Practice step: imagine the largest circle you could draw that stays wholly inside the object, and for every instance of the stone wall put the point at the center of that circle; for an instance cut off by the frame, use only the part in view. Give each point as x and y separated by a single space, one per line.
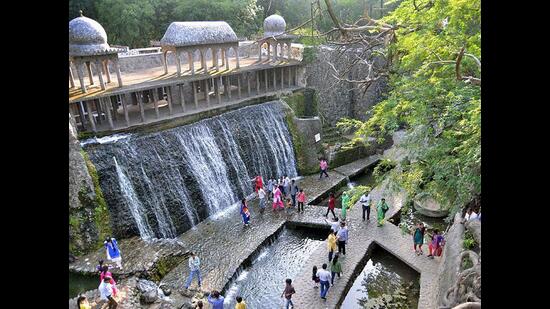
339 99
450 259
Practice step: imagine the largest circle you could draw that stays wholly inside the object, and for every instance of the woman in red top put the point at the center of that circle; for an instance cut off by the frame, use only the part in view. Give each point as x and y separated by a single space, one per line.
106 273
259 183
331 204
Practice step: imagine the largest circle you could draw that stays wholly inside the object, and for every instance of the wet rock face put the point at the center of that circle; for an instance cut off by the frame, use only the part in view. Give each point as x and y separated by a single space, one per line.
148 290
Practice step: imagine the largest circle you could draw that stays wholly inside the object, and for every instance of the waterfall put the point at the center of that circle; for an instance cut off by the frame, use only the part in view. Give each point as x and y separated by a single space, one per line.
161 184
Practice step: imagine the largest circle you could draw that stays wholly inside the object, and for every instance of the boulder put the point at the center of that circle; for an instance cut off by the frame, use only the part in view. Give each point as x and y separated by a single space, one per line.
148 290
166 290
425 205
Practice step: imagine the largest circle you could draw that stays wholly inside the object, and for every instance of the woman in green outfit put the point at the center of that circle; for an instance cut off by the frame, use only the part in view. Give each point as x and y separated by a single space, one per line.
335 268
345 204
381 208
418 238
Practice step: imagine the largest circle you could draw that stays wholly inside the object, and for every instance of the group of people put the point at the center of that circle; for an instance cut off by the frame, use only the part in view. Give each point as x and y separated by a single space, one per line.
472 214
435 246
107 286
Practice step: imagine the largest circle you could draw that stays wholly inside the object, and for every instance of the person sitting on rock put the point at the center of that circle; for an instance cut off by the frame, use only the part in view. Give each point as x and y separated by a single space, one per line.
216 300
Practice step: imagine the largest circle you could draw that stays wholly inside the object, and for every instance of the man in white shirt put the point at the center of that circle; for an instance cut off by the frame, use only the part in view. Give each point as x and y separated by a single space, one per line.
261 196
334 224
106 292
324 277
365 200
194 270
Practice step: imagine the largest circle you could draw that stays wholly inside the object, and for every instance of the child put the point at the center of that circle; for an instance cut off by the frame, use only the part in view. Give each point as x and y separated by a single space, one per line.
335 268
82 303
418 238
245 213
288 205
301 199
315 278
240 303
287 293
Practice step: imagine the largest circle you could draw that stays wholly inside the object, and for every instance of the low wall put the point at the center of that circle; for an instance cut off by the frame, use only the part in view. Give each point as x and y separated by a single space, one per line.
450 259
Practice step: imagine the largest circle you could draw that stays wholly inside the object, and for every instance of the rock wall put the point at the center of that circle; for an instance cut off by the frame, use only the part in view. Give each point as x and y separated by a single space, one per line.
450 261
339 99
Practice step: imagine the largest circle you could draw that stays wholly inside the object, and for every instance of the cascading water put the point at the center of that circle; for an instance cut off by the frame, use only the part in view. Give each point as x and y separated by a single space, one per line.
161 184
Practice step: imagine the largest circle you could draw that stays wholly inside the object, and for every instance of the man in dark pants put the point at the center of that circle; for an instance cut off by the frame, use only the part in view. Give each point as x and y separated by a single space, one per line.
293 191
365 201
342 236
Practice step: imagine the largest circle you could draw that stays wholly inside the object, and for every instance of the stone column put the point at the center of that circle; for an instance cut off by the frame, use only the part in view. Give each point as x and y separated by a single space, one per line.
212 49
71 79
195 98
117 70
265 79
207 92
191 59
123 98
226 54
239 85
155 101
217 81
203 61
178 62
274 79
81 113
100 74
222 50
106 70
248 84
90 76
169 99
236 49
139 96
289 75
268 51
215 57
182 97
165 61
228 85
257 82
260 51
90 115
282 77
80 74
108 111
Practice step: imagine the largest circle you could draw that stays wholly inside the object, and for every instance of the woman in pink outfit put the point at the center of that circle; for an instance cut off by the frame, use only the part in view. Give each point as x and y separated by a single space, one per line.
106 273
277 200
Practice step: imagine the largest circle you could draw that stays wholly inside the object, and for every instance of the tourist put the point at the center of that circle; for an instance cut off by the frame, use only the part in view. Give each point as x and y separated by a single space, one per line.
277 199
301 199
331 205
315 278
106 292
418 238
270 187
261 197
244 212
335 268
473 215
331 244
436 245
106 273
334 224
113 253
240 303
194 270
293 191
82 303
467 215
345 205
381 209
286 185
259 183
365 201
288 205
324 166
342 236
99 267
216 300
325 278
287 293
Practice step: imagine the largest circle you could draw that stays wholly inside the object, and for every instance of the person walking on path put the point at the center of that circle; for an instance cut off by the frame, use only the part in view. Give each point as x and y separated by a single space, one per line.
287 186
436 245
285 182
342 236
277 199
335 268
106 292
216 300
270 188
331 205
365 201
287 293
293 191
381 209
331 244
315 278
259 183
301 199
106 273
244 212
240 303
194 270
324 166
261 197
418 238
345 205
334 224
113 252
325 278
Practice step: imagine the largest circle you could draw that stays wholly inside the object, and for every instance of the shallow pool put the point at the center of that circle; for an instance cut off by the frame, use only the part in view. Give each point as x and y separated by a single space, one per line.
81 283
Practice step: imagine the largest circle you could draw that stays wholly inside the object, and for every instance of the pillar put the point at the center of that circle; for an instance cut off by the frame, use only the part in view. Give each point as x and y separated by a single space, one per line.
168 94
71 78
80 74
191 59
178 62
100 74
90 115
226 54
81 113
117 70
228 83
182 97
195 98
268 51
257 82
139 96
274 79
106 70
239 85
222 50
217 81
248 84
123 98
165 61
90 76
99 110
289 75
260 51
282 77
265 79
215 57
108 111
236 49
155 101
203 60
207 92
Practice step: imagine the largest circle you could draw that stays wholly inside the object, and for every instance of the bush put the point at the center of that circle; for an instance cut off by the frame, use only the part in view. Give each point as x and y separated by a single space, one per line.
469 242
382 168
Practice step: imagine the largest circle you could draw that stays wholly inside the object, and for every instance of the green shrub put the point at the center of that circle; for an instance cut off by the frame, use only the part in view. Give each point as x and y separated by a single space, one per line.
382 168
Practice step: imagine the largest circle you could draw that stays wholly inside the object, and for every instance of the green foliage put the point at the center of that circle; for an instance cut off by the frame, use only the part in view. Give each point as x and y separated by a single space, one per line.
356 192
309 54
296 101
441 114
384 166
466 263
469 242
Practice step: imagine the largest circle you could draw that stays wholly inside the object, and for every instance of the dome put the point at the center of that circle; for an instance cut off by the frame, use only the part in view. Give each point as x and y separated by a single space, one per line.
87 37
274 25
190 33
